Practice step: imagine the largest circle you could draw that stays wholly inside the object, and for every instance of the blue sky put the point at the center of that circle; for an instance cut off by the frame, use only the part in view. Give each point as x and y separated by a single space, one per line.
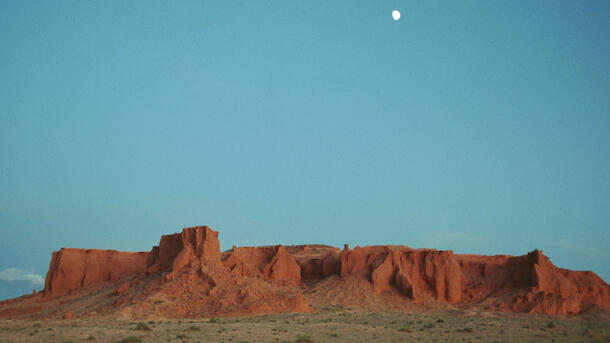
476 126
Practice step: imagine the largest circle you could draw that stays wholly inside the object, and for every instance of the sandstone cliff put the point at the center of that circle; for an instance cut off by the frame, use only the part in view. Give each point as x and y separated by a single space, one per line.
73 269
188 276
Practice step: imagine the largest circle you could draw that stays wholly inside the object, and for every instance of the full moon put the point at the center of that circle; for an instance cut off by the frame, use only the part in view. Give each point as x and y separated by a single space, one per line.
395 14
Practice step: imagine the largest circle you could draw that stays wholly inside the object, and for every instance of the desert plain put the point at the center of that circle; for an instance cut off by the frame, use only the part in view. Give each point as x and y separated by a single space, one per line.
332 324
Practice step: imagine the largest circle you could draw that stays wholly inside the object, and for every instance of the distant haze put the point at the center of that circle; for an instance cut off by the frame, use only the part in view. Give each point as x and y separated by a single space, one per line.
476 126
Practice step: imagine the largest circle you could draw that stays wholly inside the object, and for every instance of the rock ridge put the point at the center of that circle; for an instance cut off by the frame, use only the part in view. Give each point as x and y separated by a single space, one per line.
187 275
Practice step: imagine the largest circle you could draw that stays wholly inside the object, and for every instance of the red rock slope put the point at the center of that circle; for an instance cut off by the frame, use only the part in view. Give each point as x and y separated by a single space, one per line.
188 276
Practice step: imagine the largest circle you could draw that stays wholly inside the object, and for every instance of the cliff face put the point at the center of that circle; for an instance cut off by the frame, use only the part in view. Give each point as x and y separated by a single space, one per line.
316 261
416 273
180 249
188 276
560 291
540 286
73 269
273 263
202 282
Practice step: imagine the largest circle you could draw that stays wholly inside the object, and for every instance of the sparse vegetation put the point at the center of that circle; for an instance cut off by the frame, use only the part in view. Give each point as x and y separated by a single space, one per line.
304 339
143 327
346 326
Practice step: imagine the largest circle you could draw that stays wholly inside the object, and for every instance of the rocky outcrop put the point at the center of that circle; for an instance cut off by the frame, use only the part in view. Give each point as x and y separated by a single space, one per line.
203 282
124 288
178 250
415 273
531 284
187 275
560 291
283 268
68 315
73 269
316 261
273 263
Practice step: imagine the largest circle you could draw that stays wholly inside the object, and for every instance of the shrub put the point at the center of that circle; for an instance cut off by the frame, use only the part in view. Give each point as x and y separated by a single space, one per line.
404 329
131 339
143 327
304 339
550 325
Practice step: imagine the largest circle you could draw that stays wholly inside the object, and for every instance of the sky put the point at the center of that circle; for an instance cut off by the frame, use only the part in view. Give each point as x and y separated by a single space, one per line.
474 126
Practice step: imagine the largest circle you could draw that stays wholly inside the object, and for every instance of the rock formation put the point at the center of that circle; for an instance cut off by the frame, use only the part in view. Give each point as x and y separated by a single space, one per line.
182 249
532 284
272 263
73 269
188 276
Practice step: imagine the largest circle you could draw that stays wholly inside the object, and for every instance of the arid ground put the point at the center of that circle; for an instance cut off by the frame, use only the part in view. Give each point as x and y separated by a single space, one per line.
331 325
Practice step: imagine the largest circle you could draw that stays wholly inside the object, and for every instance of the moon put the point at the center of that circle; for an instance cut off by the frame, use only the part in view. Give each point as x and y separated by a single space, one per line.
395 15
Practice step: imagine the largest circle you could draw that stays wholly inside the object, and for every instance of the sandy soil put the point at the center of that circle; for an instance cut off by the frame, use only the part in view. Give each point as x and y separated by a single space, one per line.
332 325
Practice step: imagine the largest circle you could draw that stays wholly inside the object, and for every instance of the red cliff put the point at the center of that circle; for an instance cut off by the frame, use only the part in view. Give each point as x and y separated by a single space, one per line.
189 269
181 249
73 269
415 273
532 284
188 276
273 263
